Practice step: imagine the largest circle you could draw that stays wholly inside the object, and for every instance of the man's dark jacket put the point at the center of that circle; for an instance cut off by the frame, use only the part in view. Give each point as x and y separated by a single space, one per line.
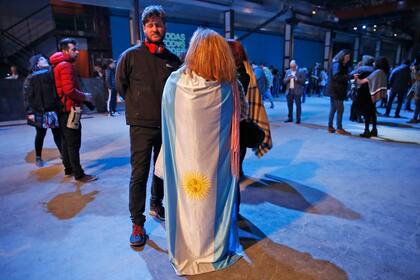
400 79
140 79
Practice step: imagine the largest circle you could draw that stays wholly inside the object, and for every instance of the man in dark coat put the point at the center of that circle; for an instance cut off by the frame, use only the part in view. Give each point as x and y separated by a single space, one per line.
295 85
141 75
399 82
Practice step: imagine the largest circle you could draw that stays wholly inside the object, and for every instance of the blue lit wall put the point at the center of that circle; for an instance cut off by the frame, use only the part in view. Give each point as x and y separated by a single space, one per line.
264 48
120 34
261 48
306 52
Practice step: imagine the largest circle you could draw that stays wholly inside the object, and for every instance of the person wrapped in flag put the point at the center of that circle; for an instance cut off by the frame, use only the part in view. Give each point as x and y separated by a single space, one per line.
200 155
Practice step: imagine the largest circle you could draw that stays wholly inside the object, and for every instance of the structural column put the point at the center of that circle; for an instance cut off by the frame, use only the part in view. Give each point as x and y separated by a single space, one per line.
327 50
356 48
134 22
378 47
288 45
398 55
229 24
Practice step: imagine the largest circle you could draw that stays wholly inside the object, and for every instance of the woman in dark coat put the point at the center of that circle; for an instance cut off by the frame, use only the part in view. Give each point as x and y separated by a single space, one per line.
337 90
372 87
42 104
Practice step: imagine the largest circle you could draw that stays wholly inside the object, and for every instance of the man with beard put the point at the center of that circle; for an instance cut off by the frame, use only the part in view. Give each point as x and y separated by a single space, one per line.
141 74
72 99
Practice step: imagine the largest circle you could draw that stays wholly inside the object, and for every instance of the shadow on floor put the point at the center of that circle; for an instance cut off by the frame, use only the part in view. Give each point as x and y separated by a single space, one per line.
265 259
67 205
399 125
46 173
293 195
108 163
48 154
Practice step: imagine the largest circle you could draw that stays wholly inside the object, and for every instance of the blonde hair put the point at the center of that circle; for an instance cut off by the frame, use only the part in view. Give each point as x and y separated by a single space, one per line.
210 57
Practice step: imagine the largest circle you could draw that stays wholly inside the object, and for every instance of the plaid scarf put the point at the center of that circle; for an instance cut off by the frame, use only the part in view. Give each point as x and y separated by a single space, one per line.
257 112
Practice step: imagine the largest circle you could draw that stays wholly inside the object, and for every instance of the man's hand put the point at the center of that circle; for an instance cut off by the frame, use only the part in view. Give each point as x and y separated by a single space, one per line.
31 117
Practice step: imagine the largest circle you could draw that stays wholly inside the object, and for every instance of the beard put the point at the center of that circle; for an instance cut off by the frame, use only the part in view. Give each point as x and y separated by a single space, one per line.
150 40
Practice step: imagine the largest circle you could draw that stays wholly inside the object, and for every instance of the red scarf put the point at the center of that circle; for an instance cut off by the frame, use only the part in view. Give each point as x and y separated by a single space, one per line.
155 48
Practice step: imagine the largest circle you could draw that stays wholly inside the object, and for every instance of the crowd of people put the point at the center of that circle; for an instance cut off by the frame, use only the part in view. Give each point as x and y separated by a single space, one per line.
370 81
195 119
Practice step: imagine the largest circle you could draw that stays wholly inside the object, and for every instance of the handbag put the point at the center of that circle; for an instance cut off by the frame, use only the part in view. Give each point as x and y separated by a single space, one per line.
251 135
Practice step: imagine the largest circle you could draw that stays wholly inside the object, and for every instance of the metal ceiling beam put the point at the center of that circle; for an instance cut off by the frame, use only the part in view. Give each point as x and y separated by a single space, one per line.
280 13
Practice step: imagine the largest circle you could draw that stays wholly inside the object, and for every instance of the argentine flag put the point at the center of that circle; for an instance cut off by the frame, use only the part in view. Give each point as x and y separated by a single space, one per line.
200 188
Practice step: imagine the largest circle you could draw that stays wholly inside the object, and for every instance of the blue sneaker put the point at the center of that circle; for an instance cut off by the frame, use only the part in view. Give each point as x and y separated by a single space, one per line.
138 237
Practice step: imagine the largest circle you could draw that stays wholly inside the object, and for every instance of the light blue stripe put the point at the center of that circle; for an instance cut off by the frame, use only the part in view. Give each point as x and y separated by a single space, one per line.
169 132
226 240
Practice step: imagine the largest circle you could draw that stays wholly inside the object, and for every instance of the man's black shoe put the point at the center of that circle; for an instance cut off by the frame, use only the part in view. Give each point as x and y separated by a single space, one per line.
288 120
87 178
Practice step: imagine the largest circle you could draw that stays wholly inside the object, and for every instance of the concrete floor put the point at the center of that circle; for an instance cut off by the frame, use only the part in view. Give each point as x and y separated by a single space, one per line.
317 206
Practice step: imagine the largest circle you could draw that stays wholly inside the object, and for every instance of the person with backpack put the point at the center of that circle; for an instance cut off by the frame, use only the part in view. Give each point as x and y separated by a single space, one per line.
41 104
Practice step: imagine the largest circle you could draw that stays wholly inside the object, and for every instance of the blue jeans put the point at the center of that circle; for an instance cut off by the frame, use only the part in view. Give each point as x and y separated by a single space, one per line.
268 95
336 106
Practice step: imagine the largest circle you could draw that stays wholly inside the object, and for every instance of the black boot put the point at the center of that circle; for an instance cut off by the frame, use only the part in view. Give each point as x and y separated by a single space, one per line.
366 134
374 132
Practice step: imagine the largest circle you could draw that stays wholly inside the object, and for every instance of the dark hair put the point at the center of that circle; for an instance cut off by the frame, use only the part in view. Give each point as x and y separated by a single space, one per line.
406 61
367 60
238 51
382 63
33 62
152 11
64 43
340 55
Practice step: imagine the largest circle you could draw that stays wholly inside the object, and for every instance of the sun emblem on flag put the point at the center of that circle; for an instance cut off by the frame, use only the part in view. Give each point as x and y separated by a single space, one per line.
196 185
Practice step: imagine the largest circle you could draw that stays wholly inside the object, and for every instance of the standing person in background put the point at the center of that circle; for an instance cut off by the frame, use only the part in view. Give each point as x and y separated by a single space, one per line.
411 91
316 78
376 81
295 85
269 79
399 82
42 104
416 90
323 82
141 74
276 82
200 132
256 112
337 90
243 77
72 99
112 90
13 75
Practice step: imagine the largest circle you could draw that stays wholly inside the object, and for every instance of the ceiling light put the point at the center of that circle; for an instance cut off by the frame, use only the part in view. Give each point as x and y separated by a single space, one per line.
355 28
313 12
364 26
374 29
374 26
395 34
